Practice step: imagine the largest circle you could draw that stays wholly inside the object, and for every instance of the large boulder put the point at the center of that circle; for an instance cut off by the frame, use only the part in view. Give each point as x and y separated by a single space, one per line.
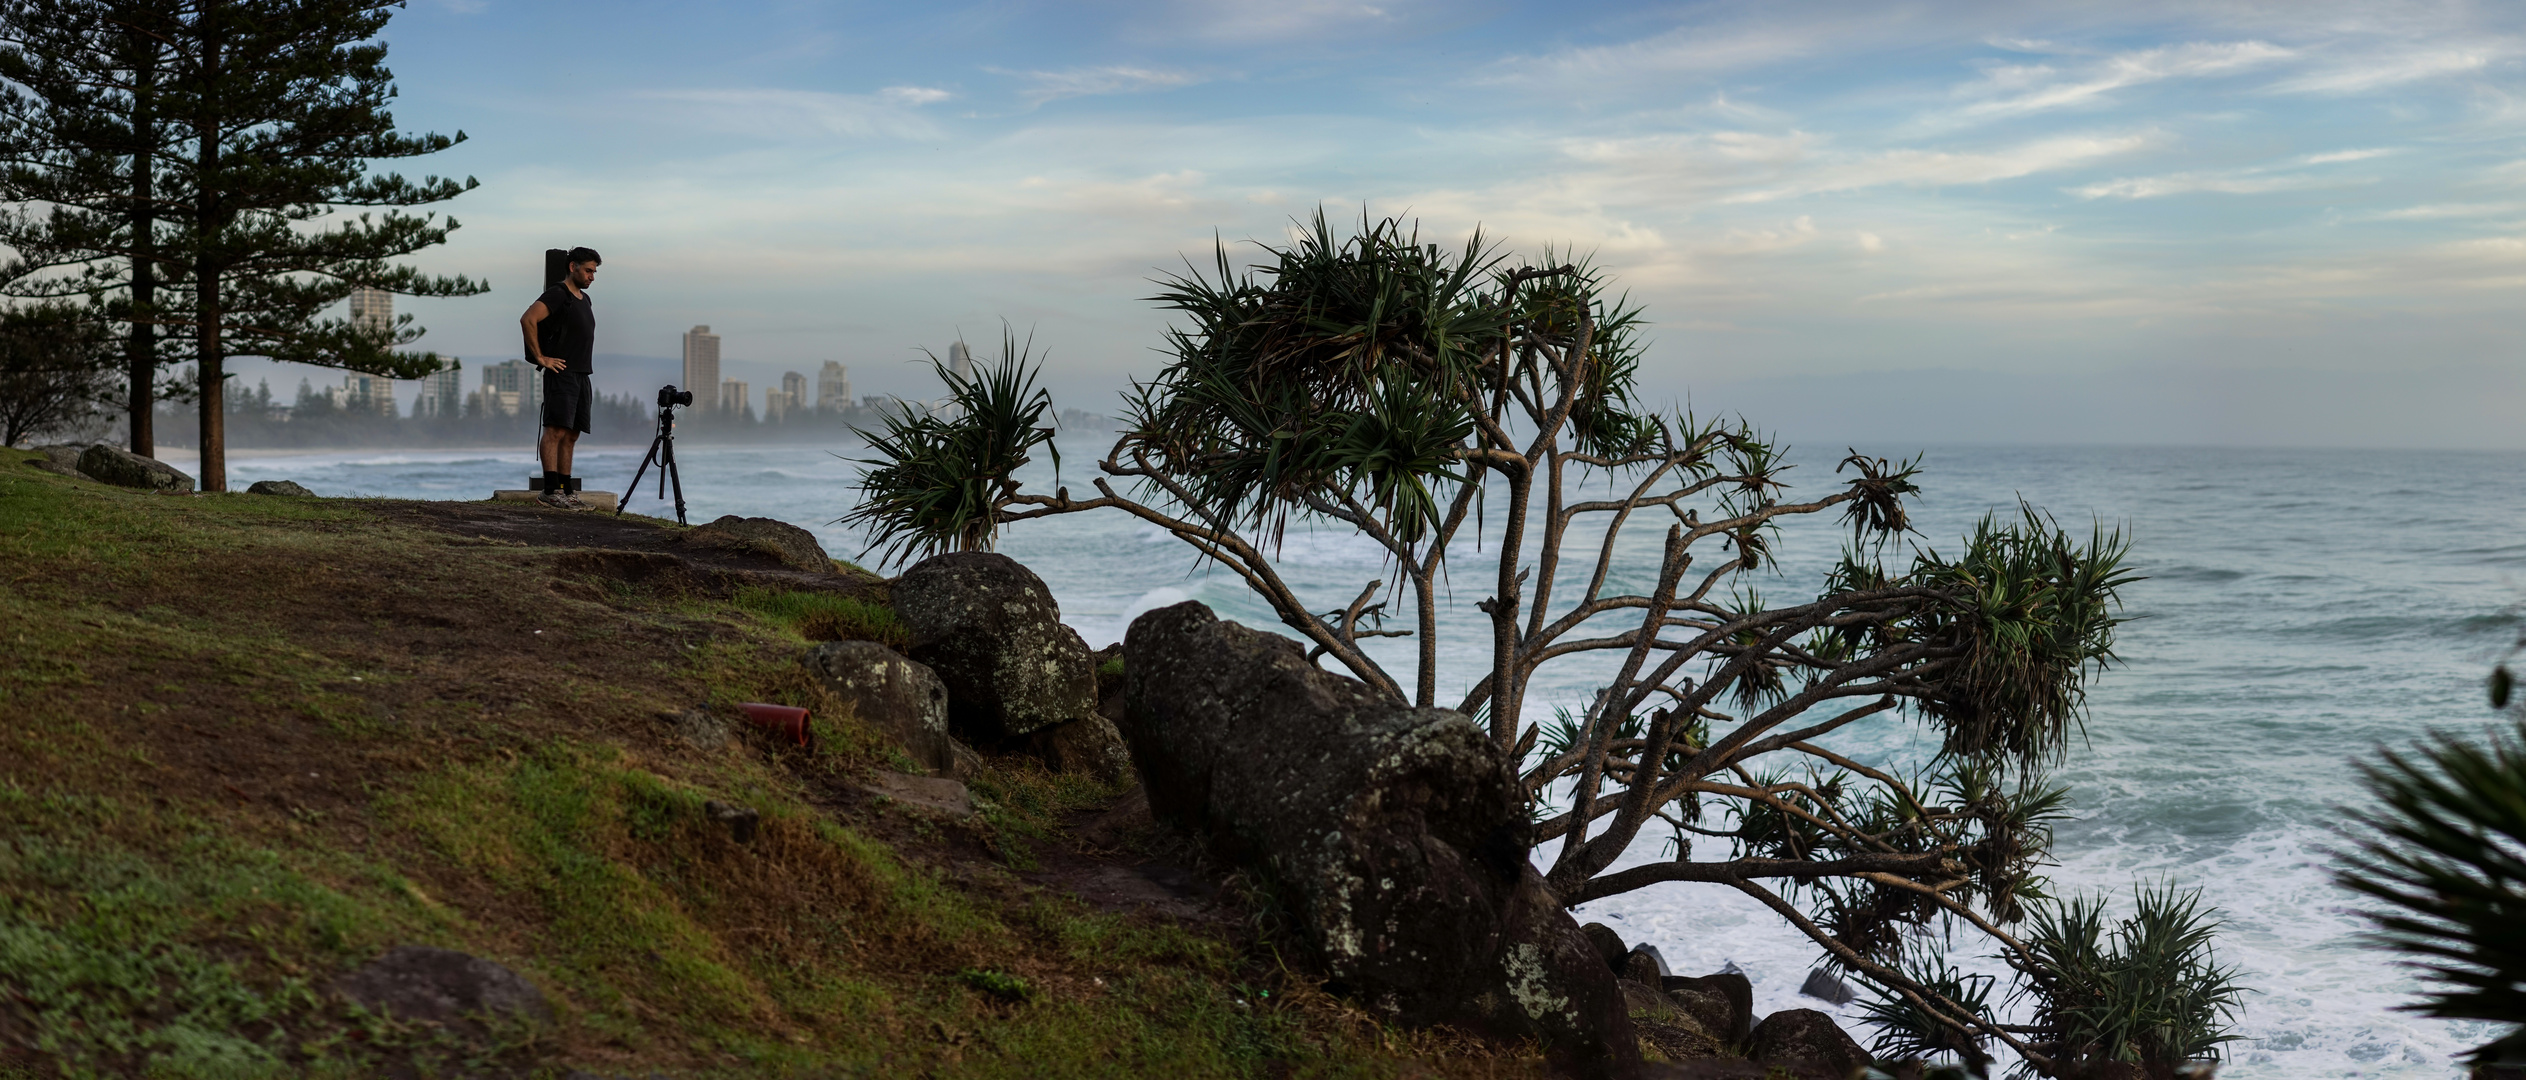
289 488
1723 1002
991 630
1608 943
61 458
778 541
115 465
887 692
1645 964
1669 1031
1090 746
464 993
1395 835
1807 1040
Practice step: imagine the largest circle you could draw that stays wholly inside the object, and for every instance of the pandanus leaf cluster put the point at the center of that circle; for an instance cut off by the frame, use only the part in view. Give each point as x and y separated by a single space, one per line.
1409 392
2441 852
942 470
2143 990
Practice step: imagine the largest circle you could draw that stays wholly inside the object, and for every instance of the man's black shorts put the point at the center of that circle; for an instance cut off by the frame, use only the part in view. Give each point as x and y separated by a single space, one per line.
566 399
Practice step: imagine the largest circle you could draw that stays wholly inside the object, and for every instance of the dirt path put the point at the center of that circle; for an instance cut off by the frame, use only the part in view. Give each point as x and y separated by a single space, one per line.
659 550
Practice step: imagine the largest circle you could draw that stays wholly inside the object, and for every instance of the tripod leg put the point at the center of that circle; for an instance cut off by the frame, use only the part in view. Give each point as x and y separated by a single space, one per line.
676 475
636 474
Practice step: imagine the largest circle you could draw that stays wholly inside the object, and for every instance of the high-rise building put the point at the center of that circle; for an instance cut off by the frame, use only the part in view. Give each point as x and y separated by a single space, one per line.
777 404
442 391
732 396
794 385
373 310
368 393
833 387
513 386
960 360
701 367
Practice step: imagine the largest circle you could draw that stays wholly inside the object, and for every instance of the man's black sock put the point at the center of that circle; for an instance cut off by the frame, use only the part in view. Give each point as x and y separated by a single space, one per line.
550 477
569 483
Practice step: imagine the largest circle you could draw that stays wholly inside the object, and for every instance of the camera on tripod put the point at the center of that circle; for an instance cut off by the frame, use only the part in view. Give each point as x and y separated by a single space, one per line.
662 454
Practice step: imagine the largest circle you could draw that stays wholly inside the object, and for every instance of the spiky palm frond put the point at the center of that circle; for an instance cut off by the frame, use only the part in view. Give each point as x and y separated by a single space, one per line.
1338 367
2446 851
1908 1032
941 476
2148 992
2031 612
1876 508
1555 310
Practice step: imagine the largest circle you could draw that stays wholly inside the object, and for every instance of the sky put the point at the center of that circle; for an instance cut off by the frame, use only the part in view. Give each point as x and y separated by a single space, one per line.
2273 224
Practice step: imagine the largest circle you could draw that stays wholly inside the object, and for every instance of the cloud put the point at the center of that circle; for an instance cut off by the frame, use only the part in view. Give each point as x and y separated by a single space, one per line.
1796 233
1938 168
2440 212
1685 50
1244 21
2373 72
1109 79
2019 89
785 115
2152 187
2250 181
914 95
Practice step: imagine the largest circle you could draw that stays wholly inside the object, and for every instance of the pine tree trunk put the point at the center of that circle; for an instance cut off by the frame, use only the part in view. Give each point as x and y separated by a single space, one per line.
144 343
207 227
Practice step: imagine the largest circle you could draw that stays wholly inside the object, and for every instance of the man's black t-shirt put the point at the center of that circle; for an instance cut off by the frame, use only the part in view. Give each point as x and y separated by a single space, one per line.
568 332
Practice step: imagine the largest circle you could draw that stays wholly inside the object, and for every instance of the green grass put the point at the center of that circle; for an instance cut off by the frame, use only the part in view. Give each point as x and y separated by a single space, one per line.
824 616
179 885
191 955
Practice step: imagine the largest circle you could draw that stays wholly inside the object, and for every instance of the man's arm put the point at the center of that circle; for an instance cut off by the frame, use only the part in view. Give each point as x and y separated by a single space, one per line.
535 313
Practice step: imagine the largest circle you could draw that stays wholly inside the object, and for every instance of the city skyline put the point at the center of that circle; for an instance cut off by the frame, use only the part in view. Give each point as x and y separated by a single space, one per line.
698 367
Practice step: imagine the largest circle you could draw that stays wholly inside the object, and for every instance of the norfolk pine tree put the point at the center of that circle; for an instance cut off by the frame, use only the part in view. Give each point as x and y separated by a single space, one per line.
283 105
80 148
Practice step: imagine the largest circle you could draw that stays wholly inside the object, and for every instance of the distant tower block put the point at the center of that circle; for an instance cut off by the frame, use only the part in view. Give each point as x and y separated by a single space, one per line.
794 385
513 386
960 361
442 391
373 310
733 395
833 387
701 367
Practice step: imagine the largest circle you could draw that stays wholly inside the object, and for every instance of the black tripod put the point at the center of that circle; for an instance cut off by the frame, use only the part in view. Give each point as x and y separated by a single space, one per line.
661 451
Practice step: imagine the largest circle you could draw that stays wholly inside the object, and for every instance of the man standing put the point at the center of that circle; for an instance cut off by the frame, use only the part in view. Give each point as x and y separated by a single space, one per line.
561 338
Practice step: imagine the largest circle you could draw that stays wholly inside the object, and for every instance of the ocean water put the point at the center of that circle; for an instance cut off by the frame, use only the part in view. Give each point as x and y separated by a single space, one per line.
2301 608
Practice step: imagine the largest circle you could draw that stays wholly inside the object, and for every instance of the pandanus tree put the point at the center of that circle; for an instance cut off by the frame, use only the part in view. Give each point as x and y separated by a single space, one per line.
1408 391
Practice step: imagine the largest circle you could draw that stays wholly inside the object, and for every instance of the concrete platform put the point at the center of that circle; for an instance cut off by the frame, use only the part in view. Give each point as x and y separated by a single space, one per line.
596 500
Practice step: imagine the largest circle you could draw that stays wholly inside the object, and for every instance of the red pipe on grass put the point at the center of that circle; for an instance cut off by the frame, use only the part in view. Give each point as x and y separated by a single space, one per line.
788 720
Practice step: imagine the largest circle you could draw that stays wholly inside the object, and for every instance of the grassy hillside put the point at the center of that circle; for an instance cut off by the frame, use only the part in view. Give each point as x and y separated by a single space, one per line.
248 743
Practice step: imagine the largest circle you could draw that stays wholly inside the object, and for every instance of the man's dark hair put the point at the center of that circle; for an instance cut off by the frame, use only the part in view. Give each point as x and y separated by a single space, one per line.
588 255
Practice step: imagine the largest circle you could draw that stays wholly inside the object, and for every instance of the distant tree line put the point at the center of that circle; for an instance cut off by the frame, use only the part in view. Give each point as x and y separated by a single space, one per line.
312 419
